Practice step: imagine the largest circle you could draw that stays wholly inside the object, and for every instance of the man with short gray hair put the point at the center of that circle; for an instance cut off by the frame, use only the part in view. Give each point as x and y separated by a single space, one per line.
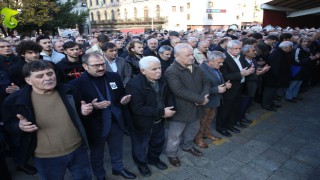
279 75
233 71
191 90
200 53
151 49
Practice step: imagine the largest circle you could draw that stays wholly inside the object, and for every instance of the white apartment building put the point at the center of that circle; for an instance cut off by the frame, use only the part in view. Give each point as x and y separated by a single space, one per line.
144 15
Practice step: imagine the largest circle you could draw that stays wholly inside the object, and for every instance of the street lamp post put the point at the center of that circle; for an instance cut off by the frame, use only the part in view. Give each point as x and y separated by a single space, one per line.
152 23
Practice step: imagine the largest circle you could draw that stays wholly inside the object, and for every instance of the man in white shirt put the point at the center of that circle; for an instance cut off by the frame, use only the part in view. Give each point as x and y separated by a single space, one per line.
233 71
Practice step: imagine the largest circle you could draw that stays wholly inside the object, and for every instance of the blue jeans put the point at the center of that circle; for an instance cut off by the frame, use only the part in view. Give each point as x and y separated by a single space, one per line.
54 168
293 89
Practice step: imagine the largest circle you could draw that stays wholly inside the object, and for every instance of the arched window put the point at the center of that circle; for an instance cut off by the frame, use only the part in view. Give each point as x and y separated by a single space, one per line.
158 11
118 14
135 13
112 15
125 14
105 15
146 12
92 18
98 16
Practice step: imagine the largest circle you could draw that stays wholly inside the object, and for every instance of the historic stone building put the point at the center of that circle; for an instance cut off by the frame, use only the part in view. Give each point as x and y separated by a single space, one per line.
144 15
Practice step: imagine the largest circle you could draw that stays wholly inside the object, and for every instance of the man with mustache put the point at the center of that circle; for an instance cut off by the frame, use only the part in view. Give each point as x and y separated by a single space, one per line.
105 124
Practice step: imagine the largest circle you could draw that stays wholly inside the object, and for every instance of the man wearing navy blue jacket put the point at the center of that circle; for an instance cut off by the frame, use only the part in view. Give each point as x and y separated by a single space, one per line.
105 124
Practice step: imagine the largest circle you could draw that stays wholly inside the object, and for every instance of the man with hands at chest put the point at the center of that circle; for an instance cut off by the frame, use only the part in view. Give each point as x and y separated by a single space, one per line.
45 115
105 124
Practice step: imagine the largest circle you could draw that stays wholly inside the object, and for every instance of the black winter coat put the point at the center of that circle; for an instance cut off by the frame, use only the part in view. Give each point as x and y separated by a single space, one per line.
20 102
143 105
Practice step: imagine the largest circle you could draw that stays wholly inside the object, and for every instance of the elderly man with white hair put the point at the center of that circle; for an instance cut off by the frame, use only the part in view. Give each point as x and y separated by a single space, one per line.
151 104
200 53
151 49
278 76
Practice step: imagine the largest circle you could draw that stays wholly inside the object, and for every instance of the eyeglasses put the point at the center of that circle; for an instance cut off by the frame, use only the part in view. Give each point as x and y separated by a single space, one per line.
97 66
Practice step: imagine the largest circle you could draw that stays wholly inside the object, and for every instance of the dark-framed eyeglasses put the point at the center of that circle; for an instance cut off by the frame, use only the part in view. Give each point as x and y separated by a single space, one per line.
97 66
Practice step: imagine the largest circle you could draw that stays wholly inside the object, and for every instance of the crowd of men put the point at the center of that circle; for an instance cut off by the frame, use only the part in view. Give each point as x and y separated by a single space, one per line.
64 98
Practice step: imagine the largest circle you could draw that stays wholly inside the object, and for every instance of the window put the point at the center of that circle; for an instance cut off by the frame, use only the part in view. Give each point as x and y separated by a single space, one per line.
97 2
90 2
188 5
112 15
210 4
158 11
188 16
210 16
181 8
135 13
125 14
174 8
98 16
105 15
118 13
92 18
104 1
146 12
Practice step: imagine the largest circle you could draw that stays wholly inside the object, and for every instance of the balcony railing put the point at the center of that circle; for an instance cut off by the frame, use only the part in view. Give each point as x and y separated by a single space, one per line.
132 21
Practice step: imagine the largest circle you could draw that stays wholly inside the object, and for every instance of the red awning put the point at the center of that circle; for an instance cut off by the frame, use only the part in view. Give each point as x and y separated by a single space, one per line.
134 31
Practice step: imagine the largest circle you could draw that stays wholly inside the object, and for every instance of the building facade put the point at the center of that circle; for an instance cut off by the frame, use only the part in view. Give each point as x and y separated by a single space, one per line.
144 15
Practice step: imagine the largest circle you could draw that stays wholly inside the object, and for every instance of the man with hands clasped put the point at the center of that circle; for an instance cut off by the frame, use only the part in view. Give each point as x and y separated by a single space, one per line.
191 91
217 87
152 103
105 124
45 116
233 71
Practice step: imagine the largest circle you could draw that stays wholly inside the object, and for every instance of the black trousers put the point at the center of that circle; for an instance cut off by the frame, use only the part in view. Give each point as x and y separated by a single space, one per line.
268 96
147 146
228 113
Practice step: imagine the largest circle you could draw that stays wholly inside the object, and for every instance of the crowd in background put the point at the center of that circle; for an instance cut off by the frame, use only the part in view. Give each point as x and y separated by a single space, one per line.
143 85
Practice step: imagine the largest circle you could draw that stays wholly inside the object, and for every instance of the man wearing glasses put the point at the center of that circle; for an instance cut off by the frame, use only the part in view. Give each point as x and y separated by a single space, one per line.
105 124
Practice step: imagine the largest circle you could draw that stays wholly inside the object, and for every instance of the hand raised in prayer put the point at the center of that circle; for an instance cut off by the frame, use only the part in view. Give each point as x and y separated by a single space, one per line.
86 109
26 125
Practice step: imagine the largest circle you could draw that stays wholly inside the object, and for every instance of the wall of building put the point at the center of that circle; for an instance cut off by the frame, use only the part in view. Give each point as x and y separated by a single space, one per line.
174 14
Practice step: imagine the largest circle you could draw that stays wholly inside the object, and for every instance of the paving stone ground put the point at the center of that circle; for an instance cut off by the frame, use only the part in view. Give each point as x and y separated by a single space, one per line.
277 145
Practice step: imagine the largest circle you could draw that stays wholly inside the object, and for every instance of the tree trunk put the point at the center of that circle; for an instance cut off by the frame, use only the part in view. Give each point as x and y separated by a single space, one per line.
3 31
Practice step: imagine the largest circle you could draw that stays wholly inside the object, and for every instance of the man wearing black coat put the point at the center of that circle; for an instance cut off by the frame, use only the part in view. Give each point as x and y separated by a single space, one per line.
46 118
151 49
279 74
151 103
233 71
105 124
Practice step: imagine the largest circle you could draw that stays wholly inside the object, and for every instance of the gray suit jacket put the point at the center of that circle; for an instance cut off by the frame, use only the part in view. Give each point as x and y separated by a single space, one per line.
123 69
189 89
215 97
250 86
